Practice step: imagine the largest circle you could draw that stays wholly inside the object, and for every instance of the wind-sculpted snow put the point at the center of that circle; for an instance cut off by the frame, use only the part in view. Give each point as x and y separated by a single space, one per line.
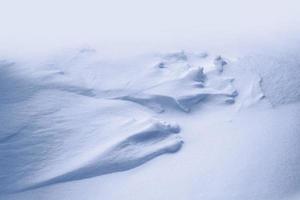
281 73
184 92
58 136
180 94
123 153
76 117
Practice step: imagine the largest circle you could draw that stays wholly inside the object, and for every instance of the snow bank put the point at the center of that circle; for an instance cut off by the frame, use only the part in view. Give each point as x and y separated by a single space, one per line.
77 116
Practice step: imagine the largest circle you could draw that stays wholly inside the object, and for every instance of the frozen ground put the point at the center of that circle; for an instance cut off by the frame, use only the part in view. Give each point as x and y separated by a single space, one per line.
182 125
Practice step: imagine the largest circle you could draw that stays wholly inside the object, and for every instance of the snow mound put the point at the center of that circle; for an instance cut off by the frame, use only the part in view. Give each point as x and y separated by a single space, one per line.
180 82
77 116
185 92
61 136
54 131
129 151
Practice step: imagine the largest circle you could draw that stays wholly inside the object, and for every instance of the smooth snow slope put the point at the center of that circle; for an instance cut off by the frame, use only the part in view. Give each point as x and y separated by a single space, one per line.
70 122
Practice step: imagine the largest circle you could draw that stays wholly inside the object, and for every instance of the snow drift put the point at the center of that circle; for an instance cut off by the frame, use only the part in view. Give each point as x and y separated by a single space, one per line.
78 116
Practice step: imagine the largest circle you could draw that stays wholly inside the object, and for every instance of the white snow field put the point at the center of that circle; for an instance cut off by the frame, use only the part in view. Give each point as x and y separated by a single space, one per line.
181 125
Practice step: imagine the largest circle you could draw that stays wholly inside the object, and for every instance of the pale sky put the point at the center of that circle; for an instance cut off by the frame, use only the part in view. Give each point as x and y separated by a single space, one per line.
53 23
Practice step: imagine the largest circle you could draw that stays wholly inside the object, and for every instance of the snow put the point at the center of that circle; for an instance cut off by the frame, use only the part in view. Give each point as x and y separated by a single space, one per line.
177 125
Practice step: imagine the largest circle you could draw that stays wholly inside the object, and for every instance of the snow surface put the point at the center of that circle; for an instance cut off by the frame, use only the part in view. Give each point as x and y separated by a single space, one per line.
179 125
